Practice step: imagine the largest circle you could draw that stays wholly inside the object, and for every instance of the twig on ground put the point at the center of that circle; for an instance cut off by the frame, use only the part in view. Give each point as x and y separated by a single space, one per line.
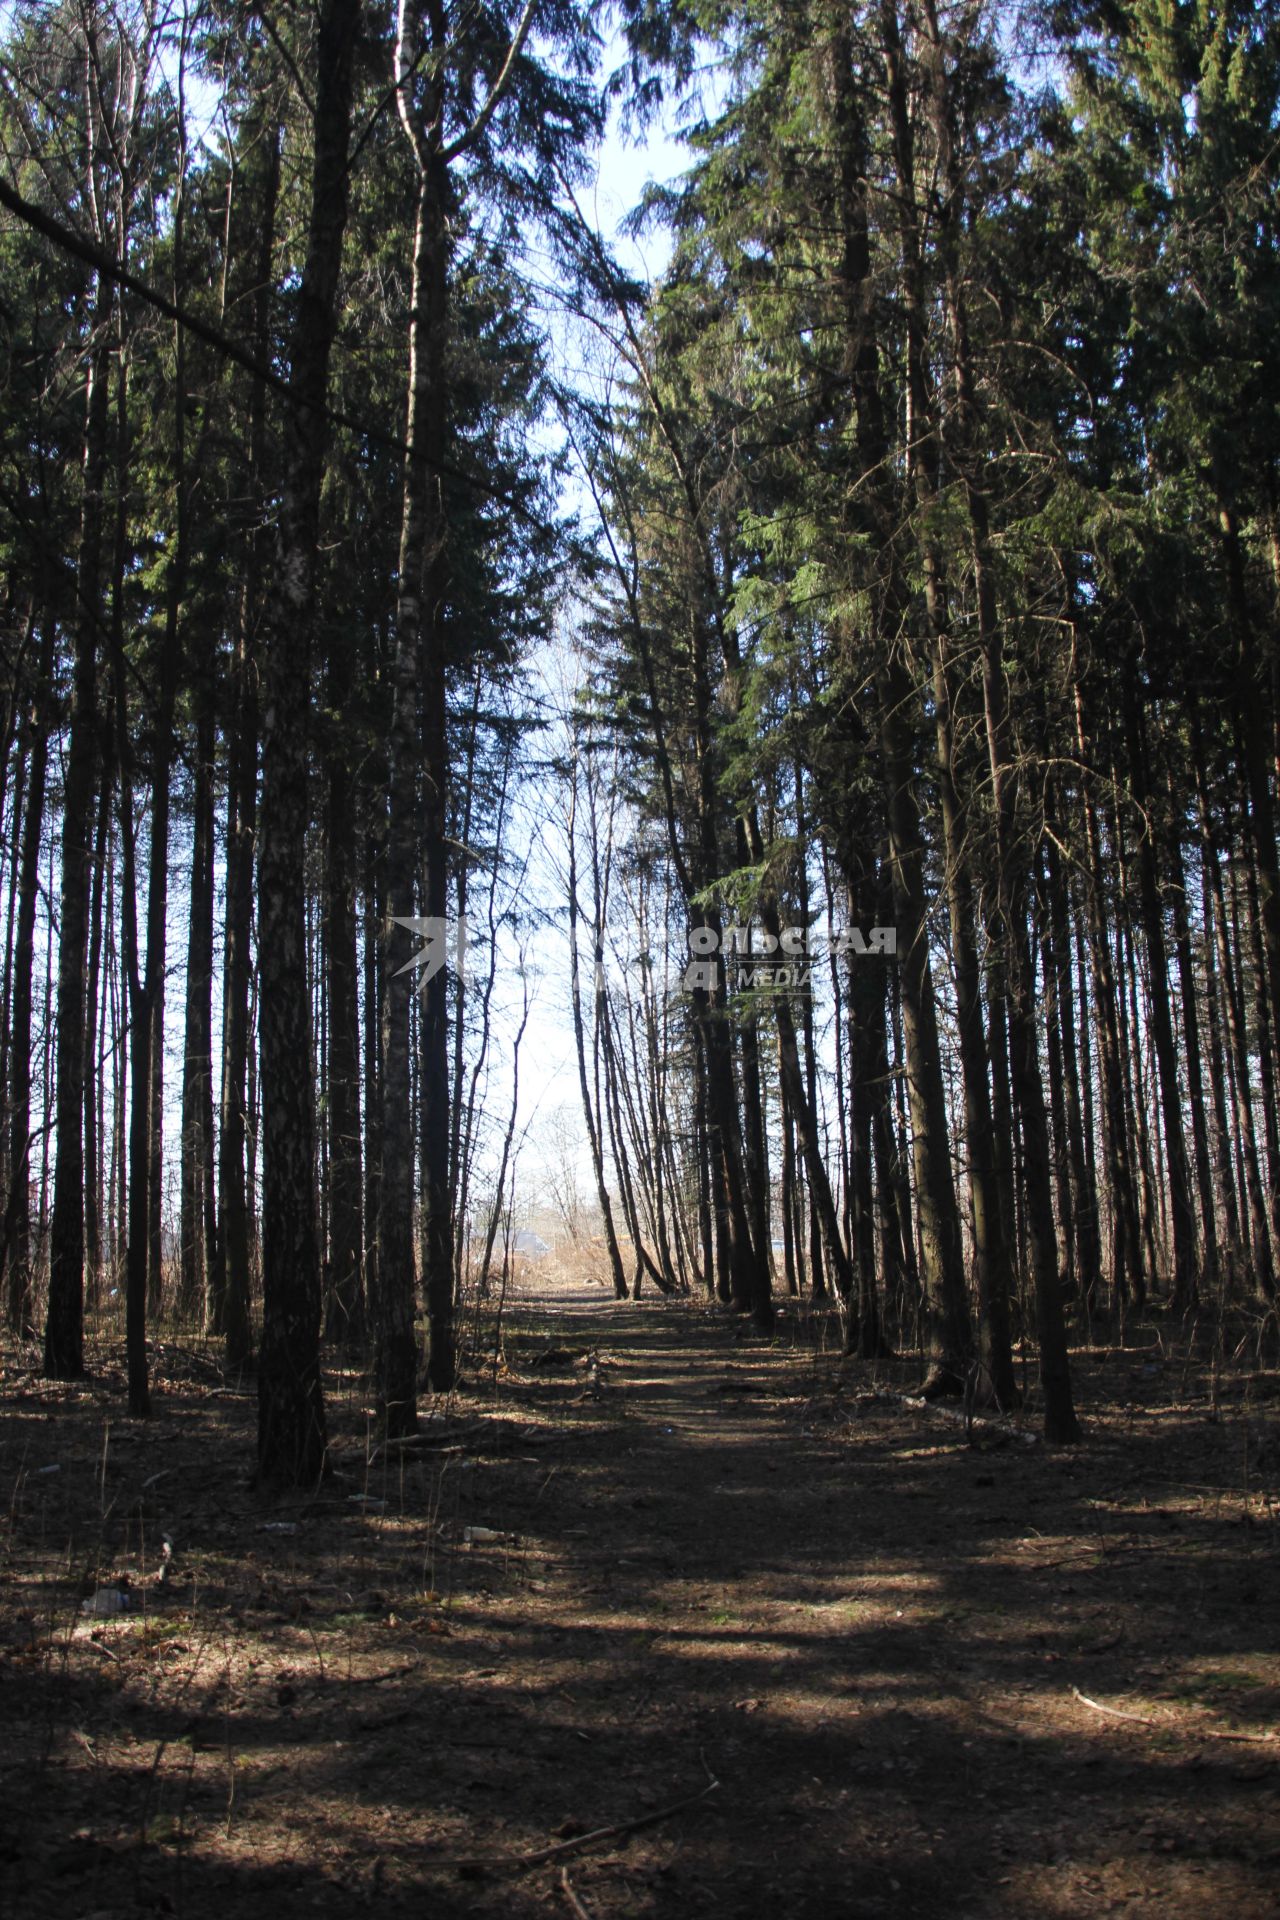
1114 1713
972 1422
376 1679
427 1441
576 1906
564 1849
1168 1726
1003 1429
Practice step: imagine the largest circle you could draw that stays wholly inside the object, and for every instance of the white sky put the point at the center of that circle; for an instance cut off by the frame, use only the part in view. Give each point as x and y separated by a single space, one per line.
550 1100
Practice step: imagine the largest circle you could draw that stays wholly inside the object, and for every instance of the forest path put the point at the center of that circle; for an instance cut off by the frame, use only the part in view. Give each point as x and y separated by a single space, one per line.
869 1633
643 1549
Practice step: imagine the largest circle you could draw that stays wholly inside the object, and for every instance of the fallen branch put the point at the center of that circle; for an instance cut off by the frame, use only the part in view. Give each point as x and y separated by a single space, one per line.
973 1422
424 1441
1168 1726
575 1905
376 1679
564 1849
1114 1713
96 1646
479 1436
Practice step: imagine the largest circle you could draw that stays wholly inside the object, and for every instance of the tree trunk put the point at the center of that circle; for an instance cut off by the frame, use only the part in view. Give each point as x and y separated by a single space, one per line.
1256 732
991 1259
396 1362
1126 1259
291 1420
1060 1423
346 1253
1234 1226
1086 1238
195 1250
942 1272
19 1301
64 1324
92 1080
1191 1034
1233 1007
589 1114
233 1250
1185 1260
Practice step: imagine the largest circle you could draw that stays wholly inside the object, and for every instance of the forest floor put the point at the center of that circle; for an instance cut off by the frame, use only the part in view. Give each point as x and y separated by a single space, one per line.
665 1619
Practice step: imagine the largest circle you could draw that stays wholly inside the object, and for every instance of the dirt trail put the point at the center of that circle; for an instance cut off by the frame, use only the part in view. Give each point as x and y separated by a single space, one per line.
692 1556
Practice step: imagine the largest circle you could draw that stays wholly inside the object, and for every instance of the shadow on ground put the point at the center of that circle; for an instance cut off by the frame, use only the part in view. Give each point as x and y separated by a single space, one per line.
657 1556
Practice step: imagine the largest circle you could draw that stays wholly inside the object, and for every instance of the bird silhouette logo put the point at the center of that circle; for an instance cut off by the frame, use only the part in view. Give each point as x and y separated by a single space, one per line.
433 931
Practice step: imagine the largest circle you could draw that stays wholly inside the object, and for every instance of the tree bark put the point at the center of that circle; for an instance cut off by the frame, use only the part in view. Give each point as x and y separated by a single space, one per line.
234 1247
19 1301
949 1330
291 1419
64 1324
1185 1257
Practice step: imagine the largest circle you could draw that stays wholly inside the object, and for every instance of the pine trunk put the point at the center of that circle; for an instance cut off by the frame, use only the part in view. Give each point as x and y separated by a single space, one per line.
64 1324
291 1419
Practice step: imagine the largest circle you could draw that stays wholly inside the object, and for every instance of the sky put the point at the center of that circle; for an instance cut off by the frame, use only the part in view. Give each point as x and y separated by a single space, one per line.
549 1119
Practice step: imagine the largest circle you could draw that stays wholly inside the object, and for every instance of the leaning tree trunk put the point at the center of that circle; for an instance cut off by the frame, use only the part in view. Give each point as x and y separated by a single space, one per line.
592 1120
